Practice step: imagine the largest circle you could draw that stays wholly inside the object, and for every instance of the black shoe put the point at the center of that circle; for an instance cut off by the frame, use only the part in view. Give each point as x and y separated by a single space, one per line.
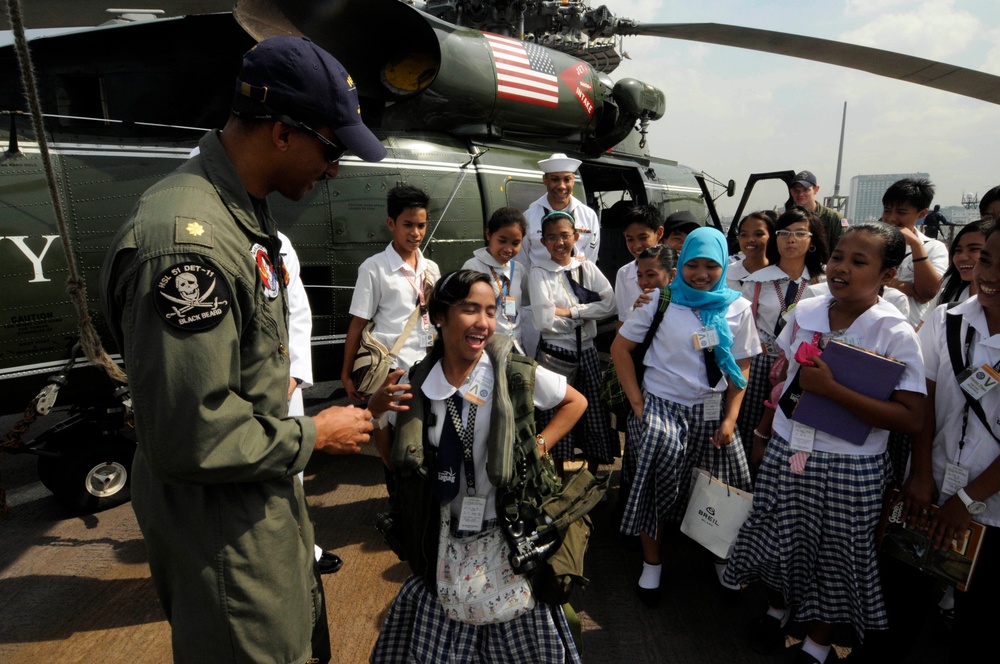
329 563
648 596
767 636
729 595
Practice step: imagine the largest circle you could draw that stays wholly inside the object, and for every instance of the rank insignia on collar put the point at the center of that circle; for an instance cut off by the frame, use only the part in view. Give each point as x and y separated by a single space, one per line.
192 296
265 270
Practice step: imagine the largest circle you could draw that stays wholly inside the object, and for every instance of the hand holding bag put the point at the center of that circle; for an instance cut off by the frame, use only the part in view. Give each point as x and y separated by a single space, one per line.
715 513
374 361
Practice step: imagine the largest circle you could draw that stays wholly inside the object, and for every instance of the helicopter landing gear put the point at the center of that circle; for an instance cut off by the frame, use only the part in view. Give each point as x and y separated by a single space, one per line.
87 477
86 460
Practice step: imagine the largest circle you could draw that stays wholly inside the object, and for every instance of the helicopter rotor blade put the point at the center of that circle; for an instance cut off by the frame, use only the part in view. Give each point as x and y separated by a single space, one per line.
263 19
908 68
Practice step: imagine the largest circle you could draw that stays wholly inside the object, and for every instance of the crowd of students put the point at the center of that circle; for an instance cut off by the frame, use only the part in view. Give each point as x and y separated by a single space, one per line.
725 361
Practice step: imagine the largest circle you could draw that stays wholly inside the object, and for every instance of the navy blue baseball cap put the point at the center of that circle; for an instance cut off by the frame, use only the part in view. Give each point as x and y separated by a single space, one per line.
682 220
805 178
294 76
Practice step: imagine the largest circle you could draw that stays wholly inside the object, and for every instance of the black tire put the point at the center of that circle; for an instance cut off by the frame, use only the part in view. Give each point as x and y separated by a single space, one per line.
89 477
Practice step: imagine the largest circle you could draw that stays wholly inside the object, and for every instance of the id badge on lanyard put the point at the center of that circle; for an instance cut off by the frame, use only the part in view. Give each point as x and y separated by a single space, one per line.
977 382
706 337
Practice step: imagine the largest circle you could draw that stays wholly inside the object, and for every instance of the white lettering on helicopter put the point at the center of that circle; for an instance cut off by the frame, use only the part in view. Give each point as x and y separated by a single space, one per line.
36 259
587 104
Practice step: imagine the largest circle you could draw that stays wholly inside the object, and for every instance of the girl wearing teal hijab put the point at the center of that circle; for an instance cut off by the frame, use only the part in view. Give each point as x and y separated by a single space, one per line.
693 386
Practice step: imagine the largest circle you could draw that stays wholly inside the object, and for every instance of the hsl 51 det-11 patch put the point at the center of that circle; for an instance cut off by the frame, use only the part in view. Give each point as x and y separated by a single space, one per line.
192 296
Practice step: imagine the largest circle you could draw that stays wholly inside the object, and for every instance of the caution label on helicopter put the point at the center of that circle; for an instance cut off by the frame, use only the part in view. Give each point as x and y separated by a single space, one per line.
576 79
192 296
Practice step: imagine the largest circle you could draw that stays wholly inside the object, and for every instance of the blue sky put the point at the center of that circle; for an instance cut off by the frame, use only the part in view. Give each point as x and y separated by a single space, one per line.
731 112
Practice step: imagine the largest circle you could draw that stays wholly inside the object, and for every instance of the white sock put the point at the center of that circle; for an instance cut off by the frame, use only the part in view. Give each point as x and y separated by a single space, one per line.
720 570
815 649
317 552
780 614
650 579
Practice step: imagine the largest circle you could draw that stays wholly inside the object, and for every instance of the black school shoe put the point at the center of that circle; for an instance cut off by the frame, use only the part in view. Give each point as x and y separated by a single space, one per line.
329 563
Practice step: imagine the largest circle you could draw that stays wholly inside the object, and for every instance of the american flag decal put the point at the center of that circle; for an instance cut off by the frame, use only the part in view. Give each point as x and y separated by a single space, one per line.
524 71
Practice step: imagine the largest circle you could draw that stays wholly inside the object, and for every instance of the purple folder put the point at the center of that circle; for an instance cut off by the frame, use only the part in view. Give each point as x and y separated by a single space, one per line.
860 370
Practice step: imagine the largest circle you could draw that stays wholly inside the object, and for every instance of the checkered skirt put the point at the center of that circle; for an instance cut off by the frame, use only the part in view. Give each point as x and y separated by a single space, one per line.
812 536
633 434
758 389
416 630
592 433
674 440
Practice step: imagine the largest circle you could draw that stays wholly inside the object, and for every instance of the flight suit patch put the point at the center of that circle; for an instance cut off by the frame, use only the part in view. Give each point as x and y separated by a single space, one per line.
192 296
265 270
193 231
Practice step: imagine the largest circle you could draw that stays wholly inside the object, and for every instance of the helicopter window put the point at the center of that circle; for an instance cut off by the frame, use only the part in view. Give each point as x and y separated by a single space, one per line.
522 194
79 96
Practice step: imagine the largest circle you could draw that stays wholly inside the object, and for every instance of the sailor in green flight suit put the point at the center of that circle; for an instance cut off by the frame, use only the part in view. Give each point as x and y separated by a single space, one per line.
194 291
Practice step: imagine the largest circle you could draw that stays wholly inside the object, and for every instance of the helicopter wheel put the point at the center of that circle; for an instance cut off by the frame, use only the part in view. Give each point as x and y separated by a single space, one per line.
89 478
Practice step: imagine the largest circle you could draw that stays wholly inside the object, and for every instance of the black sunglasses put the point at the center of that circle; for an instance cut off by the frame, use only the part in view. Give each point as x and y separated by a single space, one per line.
332 150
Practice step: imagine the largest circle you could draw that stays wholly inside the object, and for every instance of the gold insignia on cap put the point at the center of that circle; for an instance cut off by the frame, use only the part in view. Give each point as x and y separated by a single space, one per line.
350 81
195 229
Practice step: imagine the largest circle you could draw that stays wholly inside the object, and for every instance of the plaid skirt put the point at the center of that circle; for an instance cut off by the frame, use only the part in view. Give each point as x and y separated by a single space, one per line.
416 630
674 440
633 434
811 537
752 408
592 433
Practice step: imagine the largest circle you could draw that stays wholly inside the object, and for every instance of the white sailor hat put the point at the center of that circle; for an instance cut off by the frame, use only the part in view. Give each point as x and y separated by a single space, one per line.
559 163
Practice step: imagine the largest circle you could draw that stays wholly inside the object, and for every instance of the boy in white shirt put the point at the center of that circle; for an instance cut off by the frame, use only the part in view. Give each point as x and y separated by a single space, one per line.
390 284
643 228
919 276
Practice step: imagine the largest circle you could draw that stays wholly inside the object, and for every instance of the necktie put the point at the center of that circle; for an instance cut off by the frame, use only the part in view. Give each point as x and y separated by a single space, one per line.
583 295
449 458
790 294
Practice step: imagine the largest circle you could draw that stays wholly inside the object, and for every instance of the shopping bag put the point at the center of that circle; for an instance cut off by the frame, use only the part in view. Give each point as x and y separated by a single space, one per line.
715 513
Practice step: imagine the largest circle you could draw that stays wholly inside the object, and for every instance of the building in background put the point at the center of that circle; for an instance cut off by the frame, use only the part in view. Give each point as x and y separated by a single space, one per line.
865 202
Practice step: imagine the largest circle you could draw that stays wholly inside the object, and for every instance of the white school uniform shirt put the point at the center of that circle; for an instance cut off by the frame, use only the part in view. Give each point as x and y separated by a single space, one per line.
980 450
299 327
550 289
891 295
383 294
768 302
627 289
483 261
675 370
737 272
587 224
963 295
881 329
550 390
937 254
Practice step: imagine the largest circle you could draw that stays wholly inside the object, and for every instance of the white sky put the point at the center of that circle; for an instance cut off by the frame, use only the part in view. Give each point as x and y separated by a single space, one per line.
731 112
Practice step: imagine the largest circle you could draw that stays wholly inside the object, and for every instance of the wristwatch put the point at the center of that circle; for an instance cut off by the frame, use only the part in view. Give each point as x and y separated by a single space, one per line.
975 507
540 441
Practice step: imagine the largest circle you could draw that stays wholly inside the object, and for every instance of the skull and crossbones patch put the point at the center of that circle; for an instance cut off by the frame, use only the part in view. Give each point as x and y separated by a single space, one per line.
192 296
